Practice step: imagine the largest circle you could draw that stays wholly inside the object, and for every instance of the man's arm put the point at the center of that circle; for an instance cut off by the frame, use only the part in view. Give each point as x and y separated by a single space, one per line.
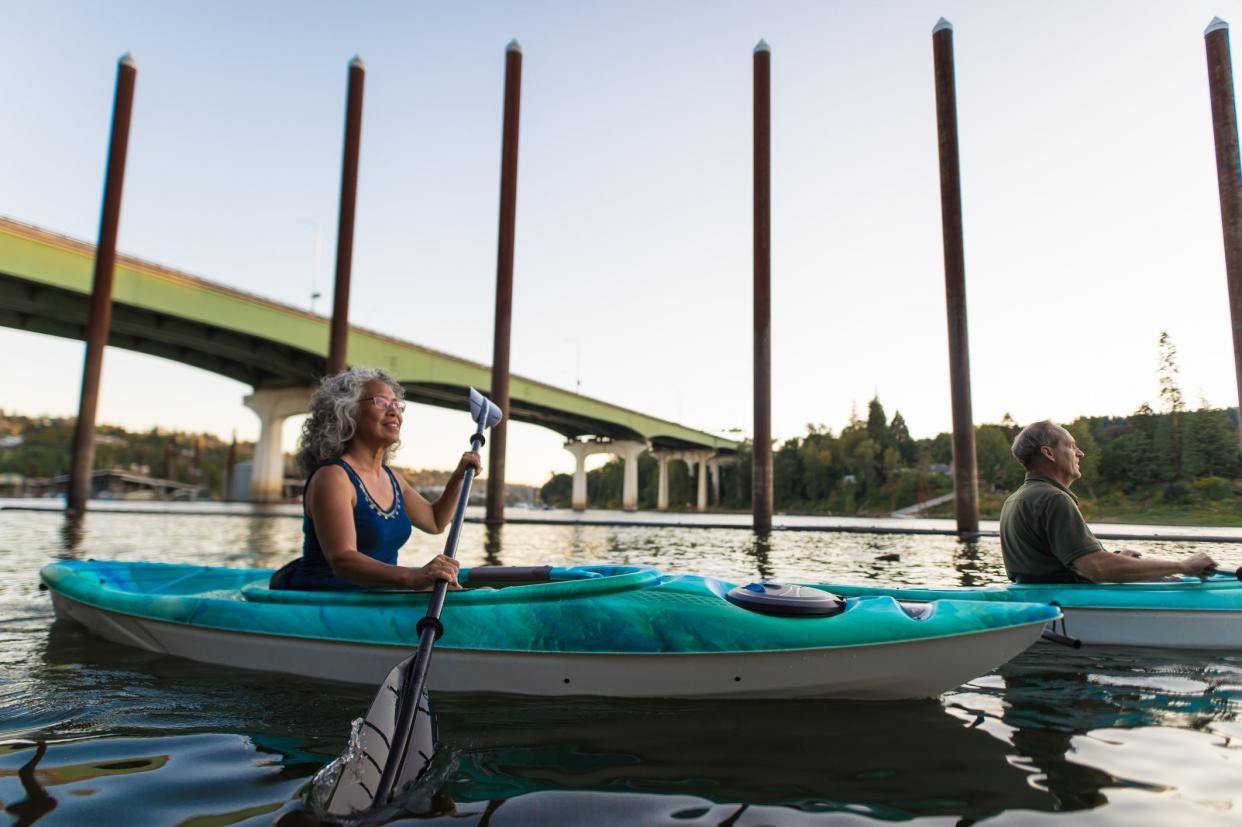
1105 567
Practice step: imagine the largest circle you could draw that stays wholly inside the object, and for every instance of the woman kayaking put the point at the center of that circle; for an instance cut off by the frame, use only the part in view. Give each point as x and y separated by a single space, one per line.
356 512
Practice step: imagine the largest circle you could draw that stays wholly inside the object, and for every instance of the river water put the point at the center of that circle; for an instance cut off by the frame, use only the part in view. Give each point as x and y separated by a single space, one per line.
96 733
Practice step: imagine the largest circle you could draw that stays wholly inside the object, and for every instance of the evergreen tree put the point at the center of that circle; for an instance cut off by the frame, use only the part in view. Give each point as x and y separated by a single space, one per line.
1167 372
1009 426
1169 445
899 438
877 424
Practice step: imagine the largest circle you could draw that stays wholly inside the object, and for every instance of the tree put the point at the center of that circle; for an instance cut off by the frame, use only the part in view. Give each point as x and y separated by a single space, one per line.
1009 426
899 438
877 424
1170 393
787 485
1216 439
558 490
1169 446
997 467
818 460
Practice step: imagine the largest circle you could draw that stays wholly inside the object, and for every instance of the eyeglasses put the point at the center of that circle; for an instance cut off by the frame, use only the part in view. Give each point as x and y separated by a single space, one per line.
384 403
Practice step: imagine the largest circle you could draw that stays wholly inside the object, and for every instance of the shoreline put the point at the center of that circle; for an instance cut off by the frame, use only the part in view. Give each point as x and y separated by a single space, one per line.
653 519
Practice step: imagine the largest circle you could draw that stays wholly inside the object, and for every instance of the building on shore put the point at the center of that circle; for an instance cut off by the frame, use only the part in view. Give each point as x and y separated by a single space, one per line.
120 484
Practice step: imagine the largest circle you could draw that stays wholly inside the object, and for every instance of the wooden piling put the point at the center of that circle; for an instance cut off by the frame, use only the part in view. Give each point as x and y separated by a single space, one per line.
339 342
99 312
228 492
504 282
965 475
761 467
1228 175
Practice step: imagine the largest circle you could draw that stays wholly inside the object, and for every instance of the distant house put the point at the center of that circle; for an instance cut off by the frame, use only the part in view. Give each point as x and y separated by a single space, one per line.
120 484
12 485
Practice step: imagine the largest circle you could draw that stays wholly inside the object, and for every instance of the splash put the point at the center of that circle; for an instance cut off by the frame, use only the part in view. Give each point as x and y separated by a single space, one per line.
424 798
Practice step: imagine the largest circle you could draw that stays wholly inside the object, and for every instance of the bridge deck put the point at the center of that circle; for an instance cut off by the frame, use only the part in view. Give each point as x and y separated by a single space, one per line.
45 283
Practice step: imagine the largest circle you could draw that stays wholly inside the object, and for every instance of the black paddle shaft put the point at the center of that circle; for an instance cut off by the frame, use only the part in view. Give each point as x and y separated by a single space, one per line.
429 629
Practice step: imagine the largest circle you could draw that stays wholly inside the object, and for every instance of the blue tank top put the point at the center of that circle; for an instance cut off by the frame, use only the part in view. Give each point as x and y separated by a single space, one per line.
380 533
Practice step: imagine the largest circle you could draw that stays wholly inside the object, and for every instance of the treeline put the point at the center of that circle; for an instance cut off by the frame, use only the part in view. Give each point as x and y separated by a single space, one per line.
875 466
40 446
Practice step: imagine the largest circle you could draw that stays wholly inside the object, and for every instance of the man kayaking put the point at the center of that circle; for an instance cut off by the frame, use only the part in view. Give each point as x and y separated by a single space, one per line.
1044 538
357 512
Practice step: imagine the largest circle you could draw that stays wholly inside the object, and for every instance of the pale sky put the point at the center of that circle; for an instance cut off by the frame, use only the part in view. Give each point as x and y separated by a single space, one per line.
1091 214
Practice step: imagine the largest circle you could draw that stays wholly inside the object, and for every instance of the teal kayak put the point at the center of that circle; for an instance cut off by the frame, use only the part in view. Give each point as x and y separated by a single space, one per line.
1183 612
620 631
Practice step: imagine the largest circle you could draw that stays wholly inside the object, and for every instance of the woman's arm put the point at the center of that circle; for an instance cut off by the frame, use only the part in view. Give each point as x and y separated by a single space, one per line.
330 503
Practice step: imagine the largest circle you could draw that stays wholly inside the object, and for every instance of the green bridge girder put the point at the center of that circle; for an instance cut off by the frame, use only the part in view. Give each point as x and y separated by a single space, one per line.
45 284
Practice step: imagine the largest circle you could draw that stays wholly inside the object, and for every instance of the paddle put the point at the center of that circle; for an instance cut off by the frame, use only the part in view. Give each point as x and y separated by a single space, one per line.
1219 572
395 742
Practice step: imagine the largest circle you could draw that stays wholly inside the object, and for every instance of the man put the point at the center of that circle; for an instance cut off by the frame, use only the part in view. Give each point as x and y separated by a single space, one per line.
1044 538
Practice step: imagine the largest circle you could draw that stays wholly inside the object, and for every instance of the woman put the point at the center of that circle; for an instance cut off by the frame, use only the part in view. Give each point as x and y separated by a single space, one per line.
357 512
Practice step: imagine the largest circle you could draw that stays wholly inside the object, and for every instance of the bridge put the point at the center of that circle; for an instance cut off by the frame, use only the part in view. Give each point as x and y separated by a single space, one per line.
281 352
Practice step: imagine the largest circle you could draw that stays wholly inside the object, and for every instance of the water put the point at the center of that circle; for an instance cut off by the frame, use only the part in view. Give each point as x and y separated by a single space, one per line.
96 733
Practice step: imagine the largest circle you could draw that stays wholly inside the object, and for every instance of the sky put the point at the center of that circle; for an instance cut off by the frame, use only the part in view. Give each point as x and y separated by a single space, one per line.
1090 207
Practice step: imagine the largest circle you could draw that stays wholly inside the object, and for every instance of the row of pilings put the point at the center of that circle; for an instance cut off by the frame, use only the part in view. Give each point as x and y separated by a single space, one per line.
1229 178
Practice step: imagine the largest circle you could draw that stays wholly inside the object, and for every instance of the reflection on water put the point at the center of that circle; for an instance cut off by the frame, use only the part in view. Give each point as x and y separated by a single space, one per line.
812 756
71 534
89 727
492 545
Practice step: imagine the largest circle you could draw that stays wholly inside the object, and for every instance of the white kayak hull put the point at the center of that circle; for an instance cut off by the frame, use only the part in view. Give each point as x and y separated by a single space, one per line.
1158 628
889 671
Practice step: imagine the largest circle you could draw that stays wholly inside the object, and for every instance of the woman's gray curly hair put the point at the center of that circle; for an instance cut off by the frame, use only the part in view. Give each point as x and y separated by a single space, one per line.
334 413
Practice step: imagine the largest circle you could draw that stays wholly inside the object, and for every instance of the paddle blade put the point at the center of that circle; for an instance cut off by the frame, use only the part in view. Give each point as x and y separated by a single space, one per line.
483 410
349 786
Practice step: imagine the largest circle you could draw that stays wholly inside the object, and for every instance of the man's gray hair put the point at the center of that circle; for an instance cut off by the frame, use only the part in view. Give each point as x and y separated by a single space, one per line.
1030 439
334 416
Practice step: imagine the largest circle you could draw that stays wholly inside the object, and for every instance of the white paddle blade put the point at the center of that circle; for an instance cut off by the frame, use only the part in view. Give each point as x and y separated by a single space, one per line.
483 410
352 781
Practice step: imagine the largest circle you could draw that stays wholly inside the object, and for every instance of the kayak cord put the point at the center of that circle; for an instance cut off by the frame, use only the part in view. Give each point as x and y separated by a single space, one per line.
1063 637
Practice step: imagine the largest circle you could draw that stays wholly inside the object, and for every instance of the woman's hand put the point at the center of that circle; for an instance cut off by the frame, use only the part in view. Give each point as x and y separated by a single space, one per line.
470 459
439 568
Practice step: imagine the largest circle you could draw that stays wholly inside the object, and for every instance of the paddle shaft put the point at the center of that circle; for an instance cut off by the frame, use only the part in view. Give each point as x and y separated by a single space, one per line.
415 677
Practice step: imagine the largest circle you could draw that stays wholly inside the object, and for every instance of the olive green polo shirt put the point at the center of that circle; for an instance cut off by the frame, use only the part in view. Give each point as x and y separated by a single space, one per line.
1042 531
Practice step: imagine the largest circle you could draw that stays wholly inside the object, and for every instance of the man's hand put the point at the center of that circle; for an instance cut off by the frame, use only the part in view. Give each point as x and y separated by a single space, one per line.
1199 565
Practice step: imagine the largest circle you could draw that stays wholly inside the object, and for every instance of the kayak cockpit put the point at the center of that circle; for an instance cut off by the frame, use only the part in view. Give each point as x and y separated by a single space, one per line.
483 584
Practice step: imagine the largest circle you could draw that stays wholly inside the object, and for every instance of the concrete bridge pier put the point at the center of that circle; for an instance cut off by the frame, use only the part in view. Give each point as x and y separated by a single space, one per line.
629 450
273 407
714 465
700 458
662 488
696 463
